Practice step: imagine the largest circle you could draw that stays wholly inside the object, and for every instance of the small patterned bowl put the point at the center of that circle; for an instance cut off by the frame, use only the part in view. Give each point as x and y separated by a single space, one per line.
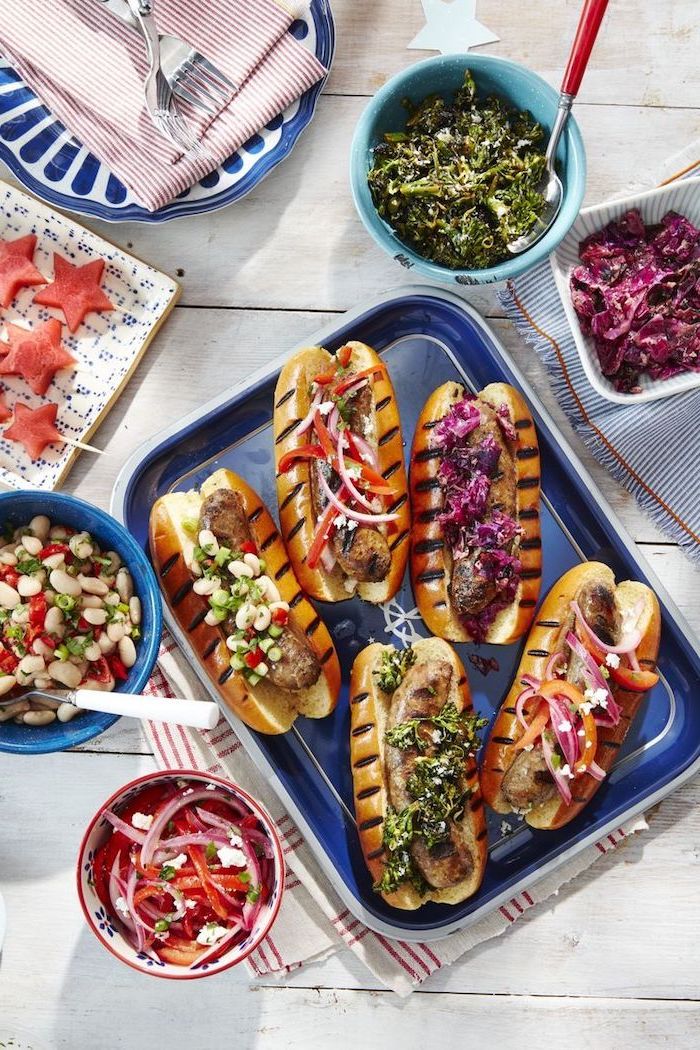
444 75
18 508
106 926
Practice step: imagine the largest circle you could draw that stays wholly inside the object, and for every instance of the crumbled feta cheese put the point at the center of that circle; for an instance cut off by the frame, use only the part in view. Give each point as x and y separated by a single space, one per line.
445 135
121 906
176 862
523 142
231 857
325 407
211 933
352 524
436 736
582 732
565 727
566 771
340 521
190 904
350 584
354 471
528 747
163 936
612 660
142 821
211 787
589 744
235 840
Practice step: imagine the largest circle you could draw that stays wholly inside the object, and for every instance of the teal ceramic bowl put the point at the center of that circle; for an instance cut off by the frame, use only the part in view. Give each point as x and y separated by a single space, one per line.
523 89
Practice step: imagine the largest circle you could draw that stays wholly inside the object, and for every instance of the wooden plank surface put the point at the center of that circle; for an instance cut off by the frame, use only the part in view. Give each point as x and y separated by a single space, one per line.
611 962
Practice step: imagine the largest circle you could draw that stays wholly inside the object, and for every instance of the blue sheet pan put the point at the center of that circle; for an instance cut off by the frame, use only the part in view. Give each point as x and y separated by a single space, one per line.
427 336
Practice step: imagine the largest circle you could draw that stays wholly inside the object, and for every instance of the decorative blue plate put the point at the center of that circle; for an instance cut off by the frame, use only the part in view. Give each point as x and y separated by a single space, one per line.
427 337
53 165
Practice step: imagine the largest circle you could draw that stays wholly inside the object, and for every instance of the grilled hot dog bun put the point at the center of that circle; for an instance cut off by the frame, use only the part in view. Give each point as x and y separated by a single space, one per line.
594 584
379 769
517 482
298 518
264 706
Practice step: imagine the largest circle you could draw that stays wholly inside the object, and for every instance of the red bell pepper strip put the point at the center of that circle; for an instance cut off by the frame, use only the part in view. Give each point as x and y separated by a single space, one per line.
248 547
56 548
323 528
303 452
635 681
280 617
366 373
196 855
327 442
343 356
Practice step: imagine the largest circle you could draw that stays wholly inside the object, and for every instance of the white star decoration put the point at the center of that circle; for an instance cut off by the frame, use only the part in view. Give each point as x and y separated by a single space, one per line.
451 28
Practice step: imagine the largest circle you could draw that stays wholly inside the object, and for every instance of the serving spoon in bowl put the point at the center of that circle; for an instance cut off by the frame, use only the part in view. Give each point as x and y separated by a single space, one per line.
197 714
550 186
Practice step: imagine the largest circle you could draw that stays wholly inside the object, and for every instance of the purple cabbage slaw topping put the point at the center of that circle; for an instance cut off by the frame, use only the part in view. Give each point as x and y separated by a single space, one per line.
466 474
637 296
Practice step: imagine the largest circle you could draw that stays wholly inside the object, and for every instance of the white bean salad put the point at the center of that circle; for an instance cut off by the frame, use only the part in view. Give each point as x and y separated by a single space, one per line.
68 618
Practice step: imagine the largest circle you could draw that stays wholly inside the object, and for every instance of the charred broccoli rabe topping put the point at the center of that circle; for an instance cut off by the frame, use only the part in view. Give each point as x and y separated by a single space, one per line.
461 180
393 667
436 787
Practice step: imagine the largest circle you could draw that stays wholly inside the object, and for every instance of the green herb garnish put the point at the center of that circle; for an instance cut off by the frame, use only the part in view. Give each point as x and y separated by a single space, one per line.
393 667
167 872
161 926
210 851
253 894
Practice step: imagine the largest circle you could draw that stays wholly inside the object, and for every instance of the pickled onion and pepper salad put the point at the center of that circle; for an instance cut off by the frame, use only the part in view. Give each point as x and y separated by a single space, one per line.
354 491
68 618
565 719
185 871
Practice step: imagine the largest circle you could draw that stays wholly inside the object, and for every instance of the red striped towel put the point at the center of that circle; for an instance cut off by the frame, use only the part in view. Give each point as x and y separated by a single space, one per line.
88 68
313 923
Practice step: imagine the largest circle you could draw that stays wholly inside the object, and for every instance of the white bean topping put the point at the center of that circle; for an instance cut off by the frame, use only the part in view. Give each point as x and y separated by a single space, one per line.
93 652
7 682
262 620
115 631
268 588
127 651
55 561
81 545
54 620
38 718
97 617
32 544
91 585
125 586
66 673
9 597
135 610
239 569
41 648
206 586
64 584
245 615
66 712
40 526
28 586
208 541
90 601
106 644
8 557
112 598
253 562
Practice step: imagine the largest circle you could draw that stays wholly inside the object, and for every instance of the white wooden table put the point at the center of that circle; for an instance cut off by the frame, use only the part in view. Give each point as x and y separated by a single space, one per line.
613 960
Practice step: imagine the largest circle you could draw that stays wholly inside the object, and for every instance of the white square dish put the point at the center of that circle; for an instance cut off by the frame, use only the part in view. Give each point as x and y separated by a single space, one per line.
107 346
682 196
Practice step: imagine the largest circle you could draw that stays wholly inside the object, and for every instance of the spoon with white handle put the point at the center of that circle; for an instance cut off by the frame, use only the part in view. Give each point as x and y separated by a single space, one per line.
197 714
550 187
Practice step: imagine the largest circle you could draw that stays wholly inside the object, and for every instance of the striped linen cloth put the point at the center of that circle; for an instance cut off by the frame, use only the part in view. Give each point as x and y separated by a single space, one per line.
652 448
313 923
88 68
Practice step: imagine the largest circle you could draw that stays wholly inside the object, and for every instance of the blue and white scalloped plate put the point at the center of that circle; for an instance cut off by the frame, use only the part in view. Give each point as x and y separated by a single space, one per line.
51 163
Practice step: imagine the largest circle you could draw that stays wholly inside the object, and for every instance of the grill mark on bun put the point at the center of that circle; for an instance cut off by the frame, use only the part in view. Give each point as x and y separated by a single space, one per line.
399 539
313 626
359 697
428 546
211 646
293 602
533 544
476 804
398 503
167 566
426 516
509 710
295 528
371 823
383 403
531 574
388 435
548 623
254 515
430 424
326 656
391 470
182 592
538 652
523 424
528 514
440 605
225 675
274 535
528 483
376 853
361 730
462 680
482 835
529 452
428 485
287 430
427 454
527 603
282 572
291 494
503 739
431 574
362 762
285 397
368 792
197 619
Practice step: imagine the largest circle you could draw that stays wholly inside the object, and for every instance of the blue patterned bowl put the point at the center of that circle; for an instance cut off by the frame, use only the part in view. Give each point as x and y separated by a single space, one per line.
17 508
444 75
107 927
56 167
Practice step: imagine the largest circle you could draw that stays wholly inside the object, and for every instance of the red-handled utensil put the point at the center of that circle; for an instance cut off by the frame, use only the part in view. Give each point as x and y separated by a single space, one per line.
550 186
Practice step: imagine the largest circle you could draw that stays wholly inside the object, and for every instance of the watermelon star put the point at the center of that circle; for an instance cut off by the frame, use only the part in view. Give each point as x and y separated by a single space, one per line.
16 267
35 354
5 412
75 290
35 428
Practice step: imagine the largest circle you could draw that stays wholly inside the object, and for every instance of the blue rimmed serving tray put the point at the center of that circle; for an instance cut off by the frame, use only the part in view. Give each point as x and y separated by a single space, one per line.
427 336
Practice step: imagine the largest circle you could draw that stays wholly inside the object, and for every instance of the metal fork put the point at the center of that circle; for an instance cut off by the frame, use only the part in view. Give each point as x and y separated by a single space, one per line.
189 74
157 91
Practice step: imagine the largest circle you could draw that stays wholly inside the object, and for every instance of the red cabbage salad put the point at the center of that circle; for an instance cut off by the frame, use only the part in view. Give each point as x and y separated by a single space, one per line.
471 527
637 296
185 871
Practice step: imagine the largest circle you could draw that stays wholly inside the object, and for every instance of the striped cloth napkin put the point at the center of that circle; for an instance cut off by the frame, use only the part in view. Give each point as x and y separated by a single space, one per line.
650 448
88 68
313 923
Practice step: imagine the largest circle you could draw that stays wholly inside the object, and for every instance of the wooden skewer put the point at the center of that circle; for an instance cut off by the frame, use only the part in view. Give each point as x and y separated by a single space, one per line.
81 444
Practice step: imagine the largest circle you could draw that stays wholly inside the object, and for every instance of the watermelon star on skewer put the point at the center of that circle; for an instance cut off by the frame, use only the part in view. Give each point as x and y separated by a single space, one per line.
16 267
36 354
75 290
35 428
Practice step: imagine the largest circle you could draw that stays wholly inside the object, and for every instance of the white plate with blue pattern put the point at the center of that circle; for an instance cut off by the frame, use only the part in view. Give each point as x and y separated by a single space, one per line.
51 163
107 346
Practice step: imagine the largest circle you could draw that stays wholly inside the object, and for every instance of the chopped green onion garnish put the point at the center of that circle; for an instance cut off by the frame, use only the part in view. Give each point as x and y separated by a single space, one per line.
274 630
167 872
210 851
253 895
161 926
274 654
